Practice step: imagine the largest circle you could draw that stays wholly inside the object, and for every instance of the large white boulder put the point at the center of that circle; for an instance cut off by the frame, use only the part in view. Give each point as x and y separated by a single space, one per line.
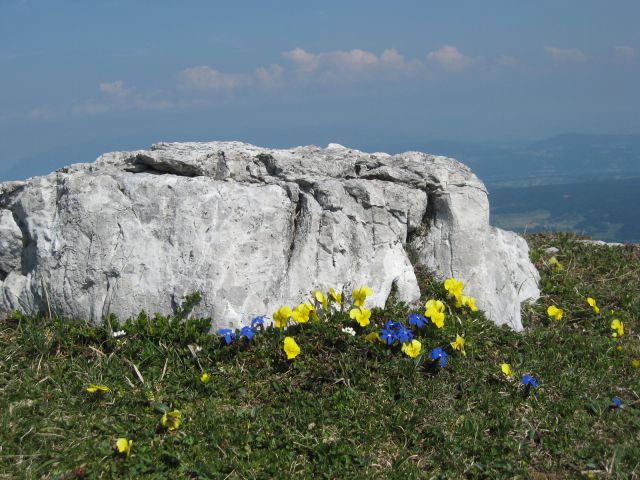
252 229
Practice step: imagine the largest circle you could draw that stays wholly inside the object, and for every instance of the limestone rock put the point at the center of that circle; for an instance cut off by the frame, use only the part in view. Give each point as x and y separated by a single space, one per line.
252 229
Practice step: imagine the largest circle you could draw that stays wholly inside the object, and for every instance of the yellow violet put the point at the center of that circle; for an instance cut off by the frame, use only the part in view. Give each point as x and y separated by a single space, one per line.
454 287
360 315
281 316
291 348
592 303
434 309
302 312
506 369
205 377
469 302
335 296
123 445
555 312
618 326
412 348
171 420
98 389
459 344
373 337
359 296
320 297
555 264
635 363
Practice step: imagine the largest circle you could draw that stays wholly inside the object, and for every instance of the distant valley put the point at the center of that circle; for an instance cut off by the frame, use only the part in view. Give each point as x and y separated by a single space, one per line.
588 184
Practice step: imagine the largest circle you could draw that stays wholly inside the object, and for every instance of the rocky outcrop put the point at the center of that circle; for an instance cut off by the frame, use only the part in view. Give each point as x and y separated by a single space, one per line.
251 228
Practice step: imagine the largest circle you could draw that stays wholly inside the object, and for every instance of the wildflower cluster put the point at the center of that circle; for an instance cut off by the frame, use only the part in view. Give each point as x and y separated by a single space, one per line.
248 332
424 336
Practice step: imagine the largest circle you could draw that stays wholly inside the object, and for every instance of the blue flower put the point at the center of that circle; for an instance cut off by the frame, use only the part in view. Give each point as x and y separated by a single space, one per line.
417 320
258 322
404 335
439 354
388 333
247 332
616 402
393 331
529 380
228 335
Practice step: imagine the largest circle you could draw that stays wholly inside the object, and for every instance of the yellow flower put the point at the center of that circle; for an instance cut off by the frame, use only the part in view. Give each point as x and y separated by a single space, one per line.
412 349
373 337
281 316
291 348
359 296
454 287
592 303
302 312
171 420
205 377
335 296
469 302
506 369
555 264
124 446
618 326
459 344
360 315
435 311
320 297
555 312
98 389
635 363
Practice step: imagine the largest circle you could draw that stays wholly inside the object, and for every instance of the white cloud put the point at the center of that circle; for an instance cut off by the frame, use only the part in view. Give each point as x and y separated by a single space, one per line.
565 54
42 113
207 78
339 65
304 61
115 89
624 52
116 96
271 76
450 58
507 61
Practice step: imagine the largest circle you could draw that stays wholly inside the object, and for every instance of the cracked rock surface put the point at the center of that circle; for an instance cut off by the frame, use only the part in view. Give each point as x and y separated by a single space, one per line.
251 228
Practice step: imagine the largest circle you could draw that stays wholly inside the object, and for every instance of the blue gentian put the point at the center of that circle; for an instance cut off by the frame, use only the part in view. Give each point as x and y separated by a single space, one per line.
616 402
388 333
228 335
418 320
439 354
529 380
404 335
258 321
247 332
393 331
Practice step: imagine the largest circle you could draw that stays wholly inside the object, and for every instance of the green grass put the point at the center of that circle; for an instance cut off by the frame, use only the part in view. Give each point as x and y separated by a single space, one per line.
344 408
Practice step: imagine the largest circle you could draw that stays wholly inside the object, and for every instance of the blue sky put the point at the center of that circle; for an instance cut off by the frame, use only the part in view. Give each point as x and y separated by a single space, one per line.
81 77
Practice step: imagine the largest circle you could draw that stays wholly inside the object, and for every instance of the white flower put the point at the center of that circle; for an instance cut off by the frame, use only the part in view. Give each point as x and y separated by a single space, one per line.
119 333
349 330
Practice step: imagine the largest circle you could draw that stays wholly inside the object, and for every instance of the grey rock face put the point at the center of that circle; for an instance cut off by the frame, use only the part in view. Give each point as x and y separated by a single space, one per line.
252 229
